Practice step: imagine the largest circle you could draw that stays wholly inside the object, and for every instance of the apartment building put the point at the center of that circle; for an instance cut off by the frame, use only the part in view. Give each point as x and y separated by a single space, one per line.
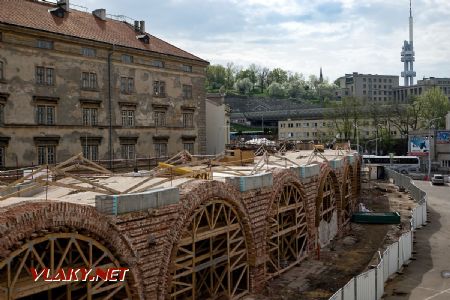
73 81
324 130
404 93
369 87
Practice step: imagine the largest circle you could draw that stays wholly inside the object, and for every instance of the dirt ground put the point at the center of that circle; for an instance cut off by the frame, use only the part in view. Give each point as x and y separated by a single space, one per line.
346 256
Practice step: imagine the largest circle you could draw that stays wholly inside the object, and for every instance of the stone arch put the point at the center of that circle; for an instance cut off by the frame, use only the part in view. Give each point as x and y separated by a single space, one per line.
327 205
36 223
348 195
287 229
197 196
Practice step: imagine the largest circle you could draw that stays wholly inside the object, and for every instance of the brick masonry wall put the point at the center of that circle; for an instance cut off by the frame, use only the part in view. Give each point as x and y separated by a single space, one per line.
147 240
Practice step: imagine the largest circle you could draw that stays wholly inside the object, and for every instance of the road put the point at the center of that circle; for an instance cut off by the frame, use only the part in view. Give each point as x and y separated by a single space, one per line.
422 279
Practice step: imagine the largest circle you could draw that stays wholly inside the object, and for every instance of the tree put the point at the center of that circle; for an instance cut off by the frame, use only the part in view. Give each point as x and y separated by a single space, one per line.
244 86
433 104
230 72
275 89
343 116
262 74
215 77
277 75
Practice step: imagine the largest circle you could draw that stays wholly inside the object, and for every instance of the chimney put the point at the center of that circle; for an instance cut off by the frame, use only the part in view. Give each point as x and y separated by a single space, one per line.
64 4
100 13
136 25
142 27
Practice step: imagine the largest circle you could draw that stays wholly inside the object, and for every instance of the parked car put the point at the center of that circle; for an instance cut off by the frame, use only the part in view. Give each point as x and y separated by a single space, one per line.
438 179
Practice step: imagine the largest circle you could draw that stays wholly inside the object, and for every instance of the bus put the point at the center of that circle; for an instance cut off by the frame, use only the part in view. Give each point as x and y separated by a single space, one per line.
402 164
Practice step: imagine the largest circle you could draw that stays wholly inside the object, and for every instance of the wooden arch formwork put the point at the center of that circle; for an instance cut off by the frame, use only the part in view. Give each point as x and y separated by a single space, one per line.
327 202
59 251
210 261
287 229
348 195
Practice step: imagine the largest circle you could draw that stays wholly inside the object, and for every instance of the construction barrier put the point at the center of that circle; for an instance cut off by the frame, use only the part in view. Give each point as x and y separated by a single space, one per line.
370 284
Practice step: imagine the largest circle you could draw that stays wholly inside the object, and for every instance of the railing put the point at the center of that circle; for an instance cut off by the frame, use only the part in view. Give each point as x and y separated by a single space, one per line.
370 284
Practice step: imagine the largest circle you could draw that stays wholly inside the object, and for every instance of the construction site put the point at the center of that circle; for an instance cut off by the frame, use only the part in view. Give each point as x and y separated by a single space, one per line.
218 227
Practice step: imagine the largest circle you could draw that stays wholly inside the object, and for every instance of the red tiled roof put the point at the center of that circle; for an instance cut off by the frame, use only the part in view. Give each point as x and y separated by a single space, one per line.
82 25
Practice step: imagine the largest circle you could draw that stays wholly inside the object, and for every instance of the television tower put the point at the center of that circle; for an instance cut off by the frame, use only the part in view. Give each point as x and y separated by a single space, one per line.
408 55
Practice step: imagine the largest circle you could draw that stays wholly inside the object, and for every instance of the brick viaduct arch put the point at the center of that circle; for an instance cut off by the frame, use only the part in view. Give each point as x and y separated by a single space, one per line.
291 210
31 223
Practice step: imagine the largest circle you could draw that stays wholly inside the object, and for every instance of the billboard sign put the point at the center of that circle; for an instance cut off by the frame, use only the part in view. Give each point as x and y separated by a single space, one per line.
419 145
443 137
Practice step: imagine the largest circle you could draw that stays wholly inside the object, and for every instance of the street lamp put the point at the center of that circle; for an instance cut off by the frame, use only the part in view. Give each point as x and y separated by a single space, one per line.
357 135
262 115
429 145
376 138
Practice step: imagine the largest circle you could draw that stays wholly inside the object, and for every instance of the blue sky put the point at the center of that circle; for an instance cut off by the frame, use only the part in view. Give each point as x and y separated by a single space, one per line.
342 36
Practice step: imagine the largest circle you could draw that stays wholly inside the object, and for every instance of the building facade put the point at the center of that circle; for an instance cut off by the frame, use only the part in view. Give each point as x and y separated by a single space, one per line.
73 81
375 88
323 130
217 124
405 93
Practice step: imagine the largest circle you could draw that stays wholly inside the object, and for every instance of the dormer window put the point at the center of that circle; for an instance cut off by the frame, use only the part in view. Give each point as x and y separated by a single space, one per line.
144 38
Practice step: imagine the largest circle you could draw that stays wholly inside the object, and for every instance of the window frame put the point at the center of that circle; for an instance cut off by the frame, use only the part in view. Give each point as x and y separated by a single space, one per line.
45 76
45 44
42 114
159 88
126 85
125 150
46 155
88 52
158 148
128 116
188 120
187 91
89 81
89 116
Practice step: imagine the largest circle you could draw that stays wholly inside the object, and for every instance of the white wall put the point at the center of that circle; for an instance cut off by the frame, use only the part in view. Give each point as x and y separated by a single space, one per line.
217 127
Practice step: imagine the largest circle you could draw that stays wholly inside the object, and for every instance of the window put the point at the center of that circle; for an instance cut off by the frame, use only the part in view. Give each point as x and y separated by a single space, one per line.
187 91
88 80
127 117
2 114
364 92
159 88
90 116
160 118
126 85
1 70
2 157
44 76
188 120
88 52
128 151
364 86
128 59
157 64
160 149
187 68
46 154
189 147
45 114
44 44
90 151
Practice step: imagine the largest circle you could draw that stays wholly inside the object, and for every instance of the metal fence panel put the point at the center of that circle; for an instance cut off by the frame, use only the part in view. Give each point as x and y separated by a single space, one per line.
407 246
419 216
349 290
401 259
365 285
424 212
386 265
380 281
337 295
393 258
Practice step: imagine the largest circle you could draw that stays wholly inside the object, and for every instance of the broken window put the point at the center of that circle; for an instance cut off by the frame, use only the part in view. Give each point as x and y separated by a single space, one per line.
159 88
